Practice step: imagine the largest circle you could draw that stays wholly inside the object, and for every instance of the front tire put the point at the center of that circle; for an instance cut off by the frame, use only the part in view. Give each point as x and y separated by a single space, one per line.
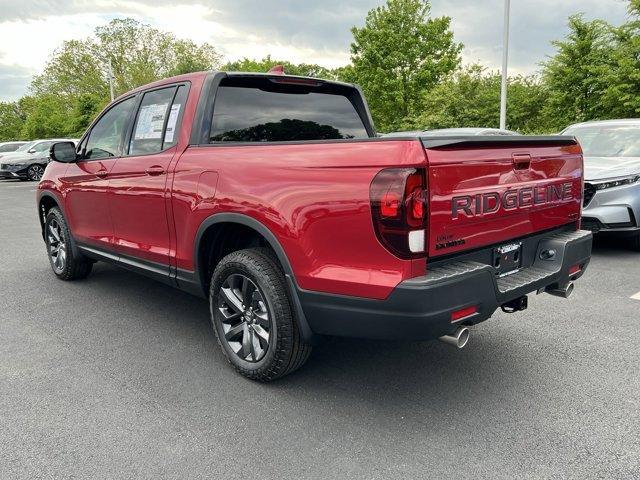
35 172
64 263
252 316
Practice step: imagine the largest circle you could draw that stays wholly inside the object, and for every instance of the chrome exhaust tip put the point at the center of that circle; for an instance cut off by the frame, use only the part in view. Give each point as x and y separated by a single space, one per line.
563 292
458 339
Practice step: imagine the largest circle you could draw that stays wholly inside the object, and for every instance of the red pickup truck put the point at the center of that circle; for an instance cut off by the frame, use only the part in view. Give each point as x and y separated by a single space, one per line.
273 197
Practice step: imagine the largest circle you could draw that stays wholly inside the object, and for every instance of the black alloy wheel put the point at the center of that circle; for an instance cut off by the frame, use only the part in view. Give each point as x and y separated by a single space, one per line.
245 317
56 246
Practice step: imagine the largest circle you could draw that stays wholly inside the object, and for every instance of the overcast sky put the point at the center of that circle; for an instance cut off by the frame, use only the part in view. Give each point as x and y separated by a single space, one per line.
313 31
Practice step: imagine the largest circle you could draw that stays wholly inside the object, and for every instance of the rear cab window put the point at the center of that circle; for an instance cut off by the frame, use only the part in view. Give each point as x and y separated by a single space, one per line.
265 109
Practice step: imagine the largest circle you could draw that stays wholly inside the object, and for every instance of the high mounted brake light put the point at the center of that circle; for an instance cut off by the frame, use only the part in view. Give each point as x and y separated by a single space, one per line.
399 208
297 81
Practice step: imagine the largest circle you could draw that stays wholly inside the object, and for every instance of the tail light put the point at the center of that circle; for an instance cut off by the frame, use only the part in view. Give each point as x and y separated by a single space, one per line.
399 208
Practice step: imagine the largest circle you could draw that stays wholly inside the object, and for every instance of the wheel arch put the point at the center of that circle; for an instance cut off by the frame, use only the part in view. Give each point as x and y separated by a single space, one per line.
216 220
212 223
46 201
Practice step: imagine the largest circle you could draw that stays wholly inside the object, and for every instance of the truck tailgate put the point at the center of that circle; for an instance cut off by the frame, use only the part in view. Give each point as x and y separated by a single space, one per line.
489 190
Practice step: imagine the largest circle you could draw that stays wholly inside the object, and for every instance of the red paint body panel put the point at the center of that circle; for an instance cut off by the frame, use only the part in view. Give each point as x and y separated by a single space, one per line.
476 171
313 197
137 203
86 199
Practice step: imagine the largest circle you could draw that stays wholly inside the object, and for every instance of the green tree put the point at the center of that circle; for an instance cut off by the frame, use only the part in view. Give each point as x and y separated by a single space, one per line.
264 65
12 119
471 98
575 75
74 86
140 54
622 93
398 54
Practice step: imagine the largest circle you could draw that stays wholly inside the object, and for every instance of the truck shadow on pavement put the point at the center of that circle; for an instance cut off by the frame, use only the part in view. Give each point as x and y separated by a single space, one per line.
380 374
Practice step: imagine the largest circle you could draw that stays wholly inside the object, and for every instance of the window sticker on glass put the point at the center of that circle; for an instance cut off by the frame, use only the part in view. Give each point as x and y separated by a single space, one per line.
171 123
150 121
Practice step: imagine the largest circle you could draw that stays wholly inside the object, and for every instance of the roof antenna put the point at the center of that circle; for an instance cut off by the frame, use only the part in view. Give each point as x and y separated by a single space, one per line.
277 70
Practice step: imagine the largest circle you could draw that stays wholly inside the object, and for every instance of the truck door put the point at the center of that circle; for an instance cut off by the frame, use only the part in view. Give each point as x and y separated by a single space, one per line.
138 186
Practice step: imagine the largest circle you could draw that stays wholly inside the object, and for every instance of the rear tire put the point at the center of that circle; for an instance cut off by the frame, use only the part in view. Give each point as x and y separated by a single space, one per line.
65 264
253 318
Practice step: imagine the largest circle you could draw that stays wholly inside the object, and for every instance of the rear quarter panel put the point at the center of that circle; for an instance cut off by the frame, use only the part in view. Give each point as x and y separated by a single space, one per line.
314 197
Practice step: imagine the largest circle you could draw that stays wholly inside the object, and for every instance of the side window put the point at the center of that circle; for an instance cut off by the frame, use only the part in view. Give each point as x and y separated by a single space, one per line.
150 122
175 117
42 147
106 136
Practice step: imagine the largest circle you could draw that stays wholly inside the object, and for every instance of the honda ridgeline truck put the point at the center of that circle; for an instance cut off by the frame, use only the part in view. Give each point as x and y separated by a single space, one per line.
272 196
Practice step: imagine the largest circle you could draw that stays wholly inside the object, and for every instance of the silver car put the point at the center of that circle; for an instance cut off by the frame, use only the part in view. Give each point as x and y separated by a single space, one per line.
612 176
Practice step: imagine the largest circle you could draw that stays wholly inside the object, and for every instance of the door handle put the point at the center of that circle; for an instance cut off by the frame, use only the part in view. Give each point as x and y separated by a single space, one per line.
101 173
154 170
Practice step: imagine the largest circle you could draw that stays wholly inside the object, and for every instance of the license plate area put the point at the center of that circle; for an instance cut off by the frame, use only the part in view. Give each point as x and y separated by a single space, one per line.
507 259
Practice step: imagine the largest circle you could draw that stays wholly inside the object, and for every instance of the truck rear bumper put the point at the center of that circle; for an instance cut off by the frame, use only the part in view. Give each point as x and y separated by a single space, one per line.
421 308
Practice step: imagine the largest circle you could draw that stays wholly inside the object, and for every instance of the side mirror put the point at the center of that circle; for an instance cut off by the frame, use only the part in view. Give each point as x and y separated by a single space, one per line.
32 150
64 152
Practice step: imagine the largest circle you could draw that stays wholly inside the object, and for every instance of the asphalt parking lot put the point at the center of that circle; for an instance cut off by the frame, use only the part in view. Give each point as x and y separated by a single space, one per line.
120 377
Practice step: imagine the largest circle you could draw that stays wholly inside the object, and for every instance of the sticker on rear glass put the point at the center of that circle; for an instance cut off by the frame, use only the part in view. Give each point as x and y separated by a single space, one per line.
150 121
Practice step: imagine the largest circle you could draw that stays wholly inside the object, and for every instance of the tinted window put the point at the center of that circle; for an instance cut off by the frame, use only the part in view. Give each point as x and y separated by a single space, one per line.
149 127
9 147
249 114
175 117
26 147
106 136
42 147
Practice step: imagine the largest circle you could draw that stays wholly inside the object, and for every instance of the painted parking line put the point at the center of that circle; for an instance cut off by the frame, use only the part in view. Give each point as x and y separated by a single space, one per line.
636 296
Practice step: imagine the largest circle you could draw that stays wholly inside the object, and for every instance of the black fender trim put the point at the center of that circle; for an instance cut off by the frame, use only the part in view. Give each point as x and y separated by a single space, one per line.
191 281
45 193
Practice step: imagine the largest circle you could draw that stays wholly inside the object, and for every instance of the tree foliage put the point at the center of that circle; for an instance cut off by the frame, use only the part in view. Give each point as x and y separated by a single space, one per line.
470 98
399 53
406 61
621 97
12 118
74 85
575 75
267 63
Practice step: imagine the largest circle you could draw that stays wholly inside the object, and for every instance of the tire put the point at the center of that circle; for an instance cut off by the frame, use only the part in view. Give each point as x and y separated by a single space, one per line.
64 263
240 326
35 172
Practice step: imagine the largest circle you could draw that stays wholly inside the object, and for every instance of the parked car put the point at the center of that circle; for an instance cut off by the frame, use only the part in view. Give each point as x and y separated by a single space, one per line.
29 161
612 176
452 132
7 147
280 205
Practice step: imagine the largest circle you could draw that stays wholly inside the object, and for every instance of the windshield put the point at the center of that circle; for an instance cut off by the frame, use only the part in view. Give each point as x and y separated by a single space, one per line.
608 141
26 147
